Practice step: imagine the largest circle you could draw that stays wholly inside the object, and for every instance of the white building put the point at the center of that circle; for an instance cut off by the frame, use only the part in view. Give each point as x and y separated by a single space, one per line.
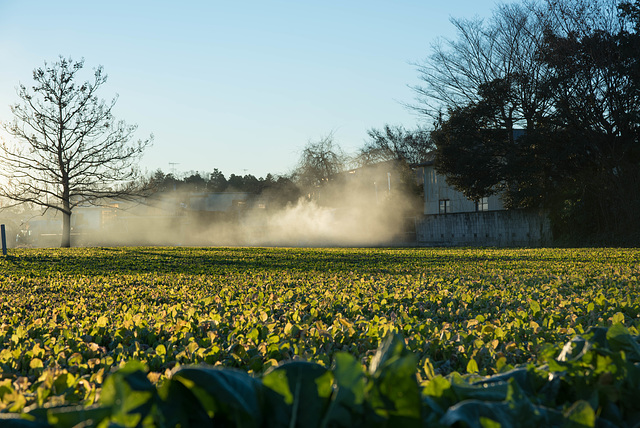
441 198
450 218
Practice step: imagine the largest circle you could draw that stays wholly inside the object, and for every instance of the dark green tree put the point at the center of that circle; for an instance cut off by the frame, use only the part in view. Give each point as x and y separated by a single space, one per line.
596 93
471 150
217 181
194 182
235 183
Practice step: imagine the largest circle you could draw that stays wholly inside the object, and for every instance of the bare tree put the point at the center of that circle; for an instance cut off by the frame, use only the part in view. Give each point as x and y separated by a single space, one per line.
395 143
319 162
69 149
503 50
582 17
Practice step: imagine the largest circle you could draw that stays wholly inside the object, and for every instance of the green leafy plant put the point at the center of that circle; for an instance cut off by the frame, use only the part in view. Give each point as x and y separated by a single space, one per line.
73 319
573 389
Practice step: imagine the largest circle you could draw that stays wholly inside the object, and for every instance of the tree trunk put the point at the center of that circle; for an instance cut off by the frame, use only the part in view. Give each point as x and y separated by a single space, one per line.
66 229
66 209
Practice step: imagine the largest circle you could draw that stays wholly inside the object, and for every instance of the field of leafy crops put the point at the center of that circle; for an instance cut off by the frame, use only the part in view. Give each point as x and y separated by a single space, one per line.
71 318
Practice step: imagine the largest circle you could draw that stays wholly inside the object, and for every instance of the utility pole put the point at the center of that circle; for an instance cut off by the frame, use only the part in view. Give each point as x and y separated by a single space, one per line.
172 165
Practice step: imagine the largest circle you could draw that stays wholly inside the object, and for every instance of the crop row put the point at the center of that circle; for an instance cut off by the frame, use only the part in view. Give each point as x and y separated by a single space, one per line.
593 381
72 317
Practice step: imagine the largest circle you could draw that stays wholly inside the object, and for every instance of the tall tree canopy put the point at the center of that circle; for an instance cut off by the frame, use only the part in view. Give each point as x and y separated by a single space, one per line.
395 143
574 92
69 149
596 94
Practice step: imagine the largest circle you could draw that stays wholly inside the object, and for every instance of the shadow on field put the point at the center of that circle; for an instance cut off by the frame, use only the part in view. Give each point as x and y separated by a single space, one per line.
198 261
226 260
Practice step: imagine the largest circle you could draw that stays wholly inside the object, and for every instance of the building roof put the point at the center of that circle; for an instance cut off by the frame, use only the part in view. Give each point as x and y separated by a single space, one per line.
430 157
428 161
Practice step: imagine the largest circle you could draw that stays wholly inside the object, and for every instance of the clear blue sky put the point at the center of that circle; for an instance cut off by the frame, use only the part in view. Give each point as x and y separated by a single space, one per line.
238 86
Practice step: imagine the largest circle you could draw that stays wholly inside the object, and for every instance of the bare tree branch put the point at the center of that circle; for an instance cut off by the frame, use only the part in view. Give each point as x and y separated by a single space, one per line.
502 48
68 150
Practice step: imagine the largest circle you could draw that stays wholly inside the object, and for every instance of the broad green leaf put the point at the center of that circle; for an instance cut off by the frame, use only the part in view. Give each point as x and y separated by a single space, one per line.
306 398
180 407
535 307
102 321
161 350
581 414
438 387
63 382
489 423
428 369
394 393
472 366
391 349
620 340
36 363
129 393
76 415
477 414
349 395
229 395
617 318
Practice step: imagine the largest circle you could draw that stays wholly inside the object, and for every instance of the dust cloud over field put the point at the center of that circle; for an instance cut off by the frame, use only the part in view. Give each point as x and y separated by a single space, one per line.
333 217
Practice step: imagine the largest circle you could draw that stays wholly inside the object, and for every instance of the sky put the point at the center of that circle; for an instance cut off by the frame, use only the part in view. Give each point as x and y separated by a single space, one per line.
238 86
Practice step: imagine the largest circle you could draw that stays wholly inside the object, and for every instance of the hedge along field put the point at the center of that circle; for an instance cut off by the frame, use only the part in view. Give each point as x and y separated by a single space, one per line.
70 317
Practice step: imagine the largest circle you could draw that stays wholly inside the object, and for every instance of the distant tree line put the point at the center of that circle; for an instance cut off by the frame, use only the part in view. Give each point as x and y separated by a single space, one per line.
322 165
212 182
280 189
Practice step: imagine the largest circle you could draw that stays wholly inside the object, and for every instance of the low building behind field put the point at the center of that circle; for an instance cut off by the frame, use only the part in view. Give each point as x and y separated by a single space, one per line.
443 216
451 219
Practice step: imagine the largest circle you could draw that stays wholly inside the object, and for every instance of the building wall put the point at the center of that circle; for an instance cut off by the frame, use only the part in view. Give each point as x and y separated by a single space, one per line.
436 189
217 201
505 228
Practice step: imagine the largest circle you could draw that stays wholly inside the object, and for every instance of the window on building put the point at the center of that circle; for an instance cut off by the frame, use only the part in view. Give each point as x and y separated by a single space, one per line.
482 204
445 206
